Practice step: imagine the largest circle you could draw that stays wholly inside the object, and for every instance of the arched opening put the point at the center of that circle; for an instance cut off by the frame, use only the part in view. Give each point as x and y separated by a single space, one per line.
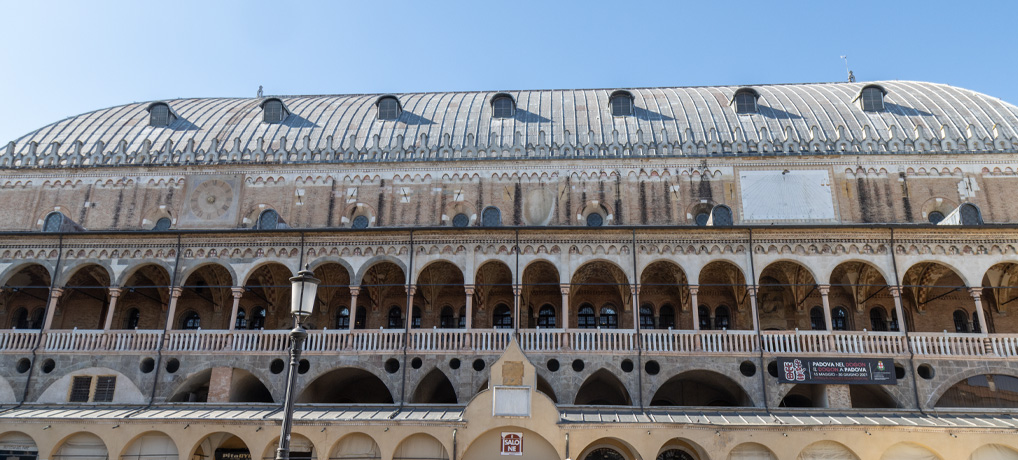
383 287
501 318
786 288
246 388
493 285
356 446
908 451
931 293
420 447
81 446
602 388
194 389
19 445
489 445
700 388
607 449
859 288
994 452
143 299
662 283
722 283
803 395
221 445
751 451
27 292
602 284
1000 289
301 448
447 320
153 445
827 450
544 387
267 297
871 397
333 298
541 287
206 291
440 283
984 391
435 388
346 385
85 299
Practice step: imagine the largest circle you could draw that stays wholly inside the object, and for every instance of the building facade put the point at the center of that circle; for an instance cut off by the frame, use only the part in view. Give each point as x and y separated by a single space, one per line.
583 274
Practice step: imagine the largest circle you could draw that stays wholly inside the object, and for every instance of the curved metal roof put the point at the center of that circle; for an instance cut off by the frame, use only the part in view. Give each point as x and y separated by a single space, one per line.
804 113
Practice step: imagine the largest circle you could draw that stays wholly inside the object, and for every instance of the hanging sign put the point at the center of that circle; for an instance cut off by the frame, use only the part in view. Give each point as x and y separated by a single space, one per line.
512 443
837 371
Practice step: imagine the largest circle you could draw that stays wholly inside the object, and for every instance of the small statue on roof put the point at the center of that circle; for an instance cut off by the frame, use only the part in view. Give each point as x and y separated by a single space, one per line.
260 93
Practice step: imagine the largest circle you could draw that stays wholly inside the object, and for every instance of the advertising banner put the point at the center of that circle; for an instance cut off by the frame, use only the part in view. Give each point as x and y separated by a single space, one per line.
837 371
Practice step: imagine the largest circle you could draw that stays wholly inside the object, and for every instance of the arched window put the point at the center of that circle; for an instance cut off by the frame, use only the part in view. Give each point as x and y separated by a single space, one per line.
586 318
360 222
462 323
190 321
395 318
721 216
19 320
257 318
502 106
268 220
975 323
343 318
702 218
388 108
816 319
704 312
666 317
54 222
163 224
361 320
595 219
609 317
621 104
878 319
241 322
970 214
416 318
491 217
646 316
446 320
159 115
961 321
893 326
273 111
721 318
501 318
872 98
531 320
460 220
132 318
36 321
745 101
935 217
546 316
839 318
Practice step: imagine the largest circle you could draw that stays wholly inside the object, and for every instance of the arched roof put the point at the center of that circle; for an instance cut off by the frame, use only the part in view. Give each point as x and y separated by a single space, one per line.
462 120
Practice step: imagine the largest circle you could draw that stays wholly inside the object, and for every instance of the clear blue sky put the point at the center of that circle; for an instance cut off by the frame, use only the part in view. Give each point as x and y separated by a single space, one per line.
59 59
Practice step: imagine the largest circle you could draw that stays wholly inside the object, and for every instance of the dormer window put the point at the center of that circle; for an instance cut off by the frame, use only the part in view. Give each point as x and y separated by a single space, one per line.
872 98
745 101
160 115
273 111
54 222
621 104
388 108
503 106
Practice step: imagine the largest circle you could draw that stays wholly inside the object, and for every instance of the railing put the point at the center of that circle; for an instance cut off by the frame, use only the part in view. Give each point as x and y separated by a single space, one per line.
838 342
602 340
82 340
949 344
542 340
1004 345
696 342
19 340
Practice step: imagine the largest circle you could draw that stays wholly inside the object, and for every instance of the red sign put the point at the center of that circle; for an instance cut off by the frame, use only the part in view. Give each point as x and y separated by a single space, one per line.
512 443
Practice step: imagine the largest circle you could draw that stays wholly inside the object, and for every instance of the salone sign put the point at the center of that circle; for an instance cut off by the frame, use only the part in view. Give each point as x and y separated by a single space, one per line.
512 443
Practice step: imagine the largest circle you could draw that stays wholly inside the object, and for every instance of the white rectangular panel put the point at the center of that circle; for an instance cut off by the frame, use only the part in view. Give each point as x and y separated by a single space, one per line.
786 196
511 401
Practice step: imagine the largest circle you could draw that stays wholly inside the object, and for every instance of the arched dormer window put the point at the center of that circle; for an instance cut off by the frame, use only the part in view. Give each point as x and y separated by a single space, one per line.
721 216
621 104
54 222
503 106
970 214
745 101
160 115
268 220
491 217
388 108
273 111
872 98
816 319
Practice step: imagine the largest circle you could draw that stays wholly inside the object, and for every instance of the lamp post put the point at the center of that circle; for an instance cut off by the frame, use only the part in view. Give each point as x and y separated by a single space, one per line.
304 288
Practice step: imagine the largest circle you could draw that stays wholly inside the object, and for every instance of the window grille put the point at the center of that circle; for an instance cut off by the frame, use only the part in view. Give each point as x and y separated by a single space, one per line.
268 220
622 105
503 107
817 322
702 219
272 111
191 321
722 216
586 318
609 318
501 318
159 115
878 319
595 220
704 314
446 320
54 221
388 108
241 322
546 317
872 99
970 214
462 324
491 217
961 322
81 386
415 319
745 102
105 385
343 318
975 323
935 217
163 224
460 220
646 317
721 318
395 318
360 222
839 318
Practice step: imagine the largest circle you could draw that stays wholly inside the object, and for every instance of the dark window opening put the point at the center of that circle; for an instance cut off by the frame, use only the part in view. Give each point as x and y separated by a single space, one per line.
360 222
257 318
163 224
159 115
415 318
704 312
395 318
343 318
546 317
491 217
817 322
702 219
609 317
878 319
81 386
388 108
721 318
241 322
132 318
105 385
191 321
961 322
666 317
935 217
586 318
462 323
446 319
595 220
646 317
839 318
501 318
503 107
361 319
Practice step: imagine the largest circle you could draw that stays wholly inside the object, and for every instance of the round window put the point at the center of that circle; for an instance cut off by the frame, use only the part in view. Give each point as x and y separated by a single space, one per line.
360 222
594 220
935 217
701 219
460 220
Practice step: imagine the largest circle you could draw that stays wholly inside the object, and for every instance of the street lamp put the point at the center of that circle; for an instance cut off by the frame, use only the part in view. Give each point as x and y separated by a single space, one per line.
303 288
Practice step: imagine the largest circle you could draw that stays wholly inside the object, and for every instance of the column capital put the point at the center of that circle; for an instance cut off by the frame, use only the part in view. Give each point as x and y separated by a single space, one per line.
517 290
469 289
115 291
411 289
355 290
564 288
824 289
634 289
976 292
56 292
238 292
694 289
894 290
751 290
176 291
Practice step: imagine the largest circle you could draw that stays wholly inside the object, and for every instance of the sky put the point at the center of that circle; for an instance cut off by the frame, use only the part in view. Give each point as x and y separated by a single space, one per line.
64 58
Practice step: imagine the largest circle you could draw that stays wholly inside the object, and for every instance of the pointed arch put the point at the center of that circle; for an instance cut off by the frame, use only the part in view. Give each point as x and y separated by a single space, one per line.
701 388
434 388
602 388
346 385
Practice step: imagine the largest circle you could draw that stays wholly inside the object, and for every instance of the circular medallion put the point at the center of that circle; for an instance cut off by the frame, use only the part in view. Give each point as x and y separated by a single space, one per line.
211 199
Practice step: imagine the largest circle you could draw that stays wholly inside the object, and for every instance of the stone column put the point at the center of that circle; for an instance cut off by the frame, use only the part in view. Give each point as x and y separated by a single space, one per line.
565 306
838 397
354 292
693 291
174 296
238 292
51 308
896 294
470 306
516 307
751 290
114 294
408 318
635 290
825 289
977 297
219 384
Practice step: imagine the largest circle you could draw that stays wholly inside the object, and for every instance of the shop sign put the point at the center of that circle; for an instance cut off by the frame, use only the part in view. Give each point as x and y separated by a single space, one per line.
837 371
233 454
512 443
